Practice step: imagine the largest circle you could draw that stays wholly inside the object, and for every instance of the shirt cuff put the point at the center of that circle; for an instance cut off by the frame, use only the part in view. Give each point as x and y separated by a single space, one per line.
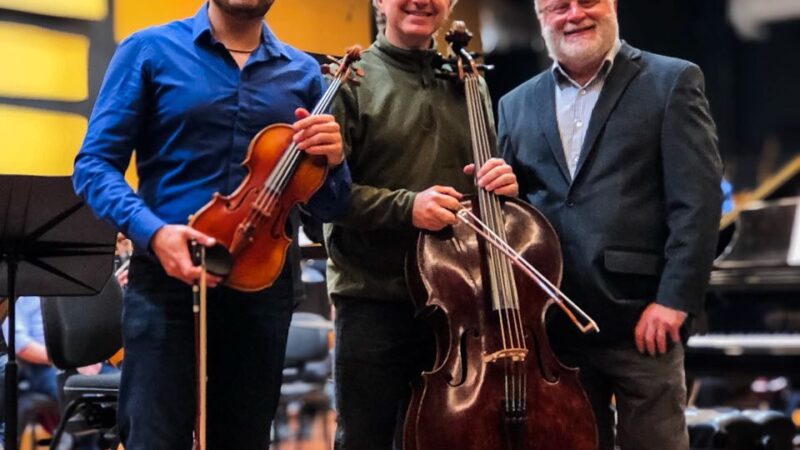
142 228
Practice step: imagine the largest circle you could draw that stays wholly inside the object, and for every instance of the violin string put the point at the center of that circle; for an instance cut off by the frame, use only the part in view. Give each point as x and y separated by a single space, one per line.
287 164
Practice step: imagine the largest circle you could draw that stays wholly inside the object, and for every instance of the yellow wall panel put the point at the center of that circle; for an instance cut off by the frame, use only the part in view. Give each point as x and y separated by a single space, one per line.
76 9
320 26
133 15
39 142
43 64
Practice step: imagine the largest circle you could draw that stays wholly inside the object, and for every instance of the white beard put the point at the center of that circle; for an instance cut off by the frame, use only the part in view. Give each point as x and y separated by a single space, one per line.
578 54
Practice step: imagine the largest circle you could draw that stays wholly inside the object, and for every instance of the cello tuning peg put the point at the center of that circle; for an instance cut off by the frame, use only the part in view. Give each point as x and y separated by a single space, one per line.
360 72
331 58
326 69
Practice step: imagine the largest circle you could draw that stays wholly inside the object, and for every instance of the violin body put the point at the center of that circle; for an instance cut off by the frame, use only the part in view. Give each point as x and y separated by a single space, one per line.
461 403
258 256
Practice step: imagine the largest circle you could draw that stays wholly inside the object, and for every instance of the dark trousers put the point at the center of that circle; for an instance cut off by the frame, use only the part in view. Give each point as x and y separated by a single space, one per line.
380 348
650 394
246 347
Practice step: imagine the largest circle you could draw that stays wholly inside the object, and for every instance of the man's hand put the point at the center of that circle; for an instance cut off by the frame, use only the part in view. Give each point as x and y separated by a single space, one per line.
496 176
318 135
434 208
171 246
654 325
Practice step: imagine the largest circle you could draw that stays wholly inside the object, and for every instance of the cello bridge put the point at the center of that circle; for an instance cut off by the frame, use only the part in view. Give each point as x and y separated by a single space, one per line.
514 354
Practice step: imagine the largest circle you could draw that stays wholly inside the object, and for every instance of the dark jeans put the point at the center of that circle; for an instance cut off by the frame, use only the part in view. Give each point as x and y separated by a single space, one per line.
650 394
246 346
380 348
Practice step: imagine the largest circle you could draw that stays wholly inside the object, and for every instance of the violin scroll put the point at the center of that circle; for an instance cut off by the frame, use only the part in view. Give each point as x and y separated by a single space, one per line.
342 68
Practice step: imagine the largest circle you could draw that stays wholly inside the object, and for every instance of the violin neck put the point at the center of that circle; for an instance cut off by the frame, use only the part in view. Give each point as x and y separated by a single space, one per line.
286 166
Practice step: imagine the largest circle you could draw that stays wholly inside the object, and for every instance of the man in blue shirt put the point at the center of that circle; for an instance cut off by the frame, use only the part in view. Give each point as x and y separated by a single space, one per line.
189 96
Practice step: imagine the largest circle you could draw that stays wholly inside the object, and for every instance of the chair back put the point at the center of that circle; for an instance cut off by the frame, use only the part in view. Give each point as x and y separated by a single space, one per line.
80 331
308 339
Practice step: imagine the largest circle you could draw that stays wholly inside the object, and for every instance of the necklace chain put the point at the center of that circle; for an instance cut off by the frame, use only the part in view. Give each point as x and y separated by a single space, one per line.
233 50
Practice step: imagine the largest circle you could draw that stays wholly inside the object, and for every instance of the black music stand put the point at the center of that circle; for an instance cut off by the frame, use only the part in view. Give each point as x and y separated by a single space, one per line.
50 244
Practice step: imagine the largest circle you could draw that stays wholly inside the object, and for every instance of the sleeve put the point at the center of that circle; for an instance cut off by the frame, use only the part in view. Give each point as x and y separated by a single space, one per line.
112 135
369 207
692 173
505 147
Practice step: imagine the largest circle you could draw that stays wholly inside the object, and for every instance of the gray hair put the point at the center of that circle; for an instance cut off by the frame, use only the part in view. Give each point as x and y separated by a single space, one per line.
535 5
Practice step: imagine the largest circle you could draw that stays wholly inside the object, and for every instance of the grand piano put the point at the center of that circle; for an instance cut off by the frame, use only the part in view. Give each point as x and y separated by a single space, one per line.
752 321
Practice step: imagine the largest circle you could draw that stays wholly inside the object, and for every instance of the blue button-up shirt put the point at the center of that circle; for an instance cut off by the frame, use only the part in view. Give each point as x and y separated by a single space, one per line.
176 96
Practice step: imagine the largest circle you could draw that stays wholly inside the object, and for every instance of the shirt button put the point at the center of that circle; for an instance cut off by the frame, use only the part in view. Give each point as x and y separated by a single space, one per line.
570 204
578 123
583 91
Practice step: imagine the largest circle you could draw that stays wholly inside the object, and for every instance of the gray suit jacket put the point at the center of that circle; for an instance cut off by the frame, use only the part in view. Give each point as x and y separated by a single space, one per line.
638 223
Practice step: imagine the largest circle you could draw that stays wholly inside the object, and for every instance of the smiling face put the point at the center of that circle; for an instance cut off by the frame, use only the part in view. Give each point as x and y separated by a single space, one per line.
578 33
411 24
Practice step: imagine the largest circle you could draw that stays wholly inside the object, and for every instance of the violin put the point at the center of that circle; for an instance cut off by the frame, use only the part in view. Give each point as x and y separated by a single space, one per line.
250 223
485 285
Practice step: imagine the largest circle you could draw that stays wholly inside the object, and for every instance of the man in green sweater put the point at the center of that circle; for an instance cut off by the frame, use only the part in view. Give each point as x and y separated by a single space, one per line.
407 142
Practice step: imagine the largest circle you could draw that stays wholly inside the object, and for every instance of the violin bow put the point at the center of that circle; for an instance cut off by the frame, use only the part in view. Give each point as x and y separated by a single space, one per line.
578 317
199 308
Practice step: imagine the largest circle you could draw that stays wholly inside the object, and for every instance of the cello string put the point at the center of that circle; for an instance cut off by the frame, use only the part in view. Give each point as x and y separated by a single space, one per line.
496 217
488 204
505 322
499 225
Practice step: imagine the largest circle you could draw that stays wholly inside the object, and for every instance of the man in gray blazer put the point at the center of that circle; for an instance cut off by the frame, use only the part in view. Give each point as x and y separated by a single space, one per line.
617 148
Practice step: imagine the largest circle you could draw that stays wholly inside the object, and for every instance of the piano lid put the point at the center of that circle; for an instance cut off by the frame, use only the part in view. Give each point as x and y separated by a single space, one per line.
767 235
785 183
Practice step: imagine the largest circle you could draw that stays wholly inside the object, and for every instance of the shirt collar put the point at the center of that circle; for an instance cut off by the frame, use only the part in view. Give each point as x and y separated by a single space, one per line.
270 46
563 80
411 60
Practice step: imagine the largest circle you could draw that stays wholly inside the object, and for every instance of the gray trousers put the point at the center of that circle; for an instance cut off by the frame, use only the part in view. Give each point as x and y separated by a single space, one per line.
650 395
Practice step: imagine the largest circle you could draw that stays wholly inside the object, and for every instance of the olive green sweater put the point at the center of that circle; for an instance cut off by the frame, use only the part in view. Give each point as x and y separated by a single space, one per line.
404 131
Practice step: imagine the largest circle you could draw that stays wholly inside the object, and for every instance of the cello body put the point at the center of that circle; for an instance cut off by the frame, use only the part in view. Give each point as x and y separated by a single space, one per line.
462 403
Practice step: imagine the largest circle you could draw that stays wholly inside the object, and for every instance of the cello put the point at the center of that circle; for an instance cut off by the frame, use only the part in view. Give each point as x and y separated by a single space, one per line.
495 384
250 222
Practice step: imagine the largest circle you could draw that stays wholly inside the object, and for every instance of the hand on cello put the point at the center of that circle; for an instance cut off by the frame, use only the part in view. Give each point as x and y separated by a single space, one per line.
496 176
171 246
318 135
436 207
